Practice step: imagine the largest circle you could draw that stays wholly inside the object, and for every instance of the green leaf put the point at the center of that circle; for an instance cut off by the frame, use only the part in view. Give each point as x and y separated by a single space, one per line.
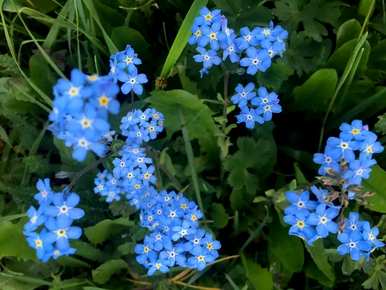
196 114
365 7
313 272
219 215
319 256
347 31
182 37
338 60
310 16
253 161
349 266
380 126
369 107
72 262
12 284
87 251
259 277
124 35
376 183
94 13
13 243
4 136
315 94
41 73
106 228
103 273
288 250
274 77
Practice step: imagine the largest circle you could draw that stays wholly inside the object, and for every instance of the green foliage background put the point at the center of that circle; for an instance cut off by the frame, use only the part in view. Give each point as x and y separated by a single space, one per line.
334 70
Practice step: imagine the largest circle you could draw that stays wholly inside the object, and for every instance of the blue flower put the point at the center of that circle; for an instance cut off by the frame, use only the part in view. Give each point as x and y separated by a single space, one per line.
299 226
322 219
329 165
341 148
36 218
41 244
300 203
358 170
49 227
247 39
45 192
256 60
353 244
353 224
370 234
250 117
132 83
64 207
126 61
243 94
369 146
353 131
212 35
81 110
208 17
61 232
208 58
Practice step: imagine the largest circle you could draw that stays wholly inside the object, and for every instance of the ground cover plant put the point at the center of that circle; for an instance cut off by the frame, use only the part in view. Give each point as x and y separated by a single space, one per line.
192 144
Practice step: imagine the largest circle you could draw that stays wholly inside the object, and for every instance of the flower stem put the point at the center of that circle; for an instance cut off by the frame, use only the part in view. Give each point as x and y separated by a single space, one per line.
189 154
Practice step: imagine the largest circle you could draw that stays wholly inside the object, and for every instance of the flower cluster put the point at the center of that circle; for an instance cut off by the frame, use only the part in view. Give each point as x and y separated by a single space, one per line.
313 217
358 238
49 228
255 108
132 177
314 214
349 158
123 67
310 217
175 238
141 127
252 48
80 112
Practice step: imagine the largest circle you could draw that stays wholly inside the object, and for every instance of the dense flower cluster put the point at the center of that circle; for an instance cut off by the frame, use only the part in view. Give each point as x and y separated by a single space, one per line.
141 127
49 228
349 157
252 48
358 238
347 160
175 237
80 112
255 108
123 67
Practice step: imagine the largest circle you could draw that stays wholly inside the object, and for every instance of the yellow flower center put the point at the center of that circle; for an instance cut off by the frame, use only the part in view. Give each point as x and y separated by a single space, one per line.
61 233
103 101
92 78
213 36
86 123
128 60
38 243
355 131
300 224
73 91
208 17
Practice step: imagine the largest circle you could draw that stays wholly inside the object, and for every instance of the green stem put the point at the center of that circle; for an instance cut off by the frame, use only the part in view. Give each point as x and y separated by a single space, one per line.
254 234
189 153
342 81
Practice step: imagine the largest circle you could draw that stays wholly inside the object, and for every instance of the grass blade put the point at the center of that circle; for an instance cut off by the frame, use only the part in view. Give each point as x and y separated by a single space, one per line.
182 38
